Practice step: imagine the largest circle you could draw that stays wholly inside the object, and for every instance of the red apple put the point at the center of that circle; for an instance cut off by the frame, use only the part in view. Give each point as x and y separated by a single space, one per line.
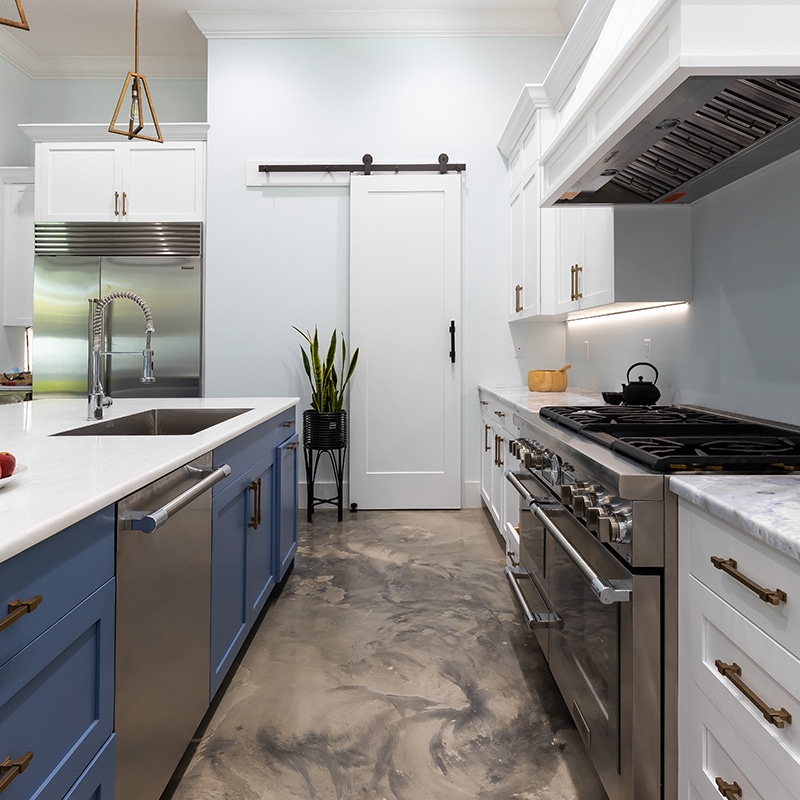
7 464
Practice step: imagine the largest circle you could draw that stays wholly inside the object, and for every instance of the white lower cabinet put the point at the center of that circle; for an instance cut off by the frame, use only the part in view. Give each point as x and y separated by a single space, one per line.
739 674
499 497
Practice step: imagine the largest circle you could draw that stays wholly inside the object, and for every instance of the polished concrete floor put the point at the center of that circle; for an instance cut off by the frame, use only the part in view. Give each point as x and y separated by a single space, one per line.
392 665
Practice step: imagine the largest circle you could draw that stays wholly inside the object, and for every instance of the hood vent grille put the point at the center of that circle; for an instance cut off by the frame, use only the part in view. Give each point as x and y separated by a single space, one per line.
745 113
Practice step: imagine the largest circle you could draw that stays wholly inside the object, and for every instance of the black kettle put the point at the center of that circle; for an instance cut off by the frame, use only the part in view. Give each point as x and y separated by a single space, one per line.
640 392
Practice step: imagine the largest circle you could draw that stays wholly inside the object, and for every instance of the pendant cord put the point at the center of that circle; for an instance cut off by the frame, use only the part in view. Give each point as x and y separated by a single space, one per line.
136 41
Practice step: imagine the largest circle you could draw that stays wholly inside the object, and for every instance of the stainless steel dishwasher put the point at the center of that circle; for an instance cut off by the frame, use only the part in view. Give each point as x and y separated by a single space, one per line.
163 624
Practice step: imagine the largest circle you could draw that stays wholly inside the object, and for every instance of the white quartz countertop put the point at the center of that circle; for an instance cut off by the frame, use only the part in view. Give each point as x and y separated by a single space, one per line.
526 401
765 506
70 477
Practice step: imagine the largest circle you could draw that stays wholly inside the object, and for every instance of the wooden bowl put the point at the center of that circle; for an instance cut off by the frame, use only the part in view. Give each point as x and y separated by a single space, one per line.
547 380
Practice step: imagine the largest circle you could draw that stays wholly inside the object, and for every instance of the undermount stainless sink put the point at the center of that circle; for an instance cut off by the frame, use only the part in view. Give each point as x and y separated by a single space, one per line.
158 422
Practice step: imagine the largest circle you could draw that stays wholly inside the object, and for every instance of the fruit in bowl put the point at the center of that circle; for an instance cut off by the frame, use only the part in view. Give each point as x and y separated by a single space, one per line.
7 464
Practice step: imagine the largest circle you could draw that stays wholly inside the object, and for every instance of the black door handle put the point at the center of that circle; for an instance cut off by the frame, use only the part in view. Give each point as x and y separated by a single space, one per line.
452 341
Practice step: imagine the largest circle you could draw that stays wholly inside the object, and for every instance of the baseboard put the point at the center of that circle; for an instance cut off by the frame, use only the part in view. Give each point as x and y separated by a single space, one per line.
470 493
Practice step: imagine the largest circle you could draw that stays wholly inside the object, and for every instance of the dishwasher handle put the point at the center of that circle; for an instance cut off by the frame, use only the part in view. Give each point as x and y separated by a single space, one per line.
151 522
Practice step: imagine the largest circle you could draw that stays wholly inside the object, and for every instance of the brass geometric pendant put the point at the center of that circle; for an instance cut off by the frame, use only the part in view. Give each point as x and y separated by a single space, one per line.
23 22
136 116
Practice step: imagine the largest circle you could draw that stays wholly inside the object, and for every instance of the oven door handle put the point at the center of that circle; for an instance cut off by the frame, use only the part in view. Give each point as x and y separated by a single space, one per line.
533 619
606 591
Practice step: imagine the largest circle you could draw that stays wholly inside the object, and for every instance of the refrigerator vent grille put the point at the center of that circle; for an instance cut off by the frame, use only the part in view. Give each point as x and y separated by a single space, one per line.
118 238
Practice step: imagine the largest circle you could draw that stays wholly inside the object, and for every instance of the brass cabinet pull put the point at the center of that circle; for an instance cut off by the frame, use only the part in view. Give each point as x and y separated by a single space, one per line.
255 488
288 423
729 566
777 717
500 413
572 282
10 768
116 204
486 444
484 402
292 446
728 790
578 292
518 298
498 449
511 558
18 609
124 204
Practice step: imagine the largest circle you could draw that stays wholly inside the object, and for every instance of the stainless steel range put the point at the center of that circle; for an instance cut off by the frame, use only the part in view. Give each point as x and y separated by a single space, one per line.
597 579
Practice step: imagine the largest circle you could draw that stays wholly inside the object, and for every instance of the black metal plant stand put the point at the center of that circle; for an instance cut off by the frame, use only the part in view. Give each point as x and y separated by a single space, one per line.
324 433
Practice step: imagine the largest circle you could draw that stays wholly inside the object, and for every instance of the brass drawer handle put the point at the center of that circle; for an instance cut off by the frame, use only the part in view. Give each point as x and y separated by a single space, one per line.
124 204
289 423
500 413
511 558
729 566
776 717
486 445
116 204
18 609
518 298
9 769
255 488
292 446
728 790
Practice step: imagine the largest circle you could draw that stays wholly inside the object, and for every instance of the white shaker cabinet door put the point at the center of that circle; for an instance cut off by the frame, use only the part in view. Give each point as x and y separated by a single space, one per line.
78 181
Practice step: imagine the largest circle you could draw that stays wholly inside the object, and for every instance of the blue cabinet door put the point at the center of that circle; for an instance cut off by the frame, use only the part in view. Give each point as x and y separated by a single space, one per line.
97 782
260 542
286 504
57 699
231 510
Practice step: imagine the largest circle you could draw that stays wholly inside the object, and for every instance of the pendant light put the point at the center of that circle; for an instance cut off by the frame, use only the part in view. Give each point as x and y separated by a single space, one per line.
138 94
22 23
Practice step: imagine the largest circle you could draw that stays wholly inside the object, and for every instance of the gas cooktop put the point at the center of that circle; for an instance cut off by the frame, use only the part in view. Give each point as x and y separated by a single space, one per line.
678 438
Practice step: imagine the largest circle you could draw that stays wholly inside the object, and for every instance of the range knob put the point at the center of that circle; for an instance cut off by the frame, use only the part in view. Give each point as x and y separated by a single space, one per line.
615 527
571 491
583 501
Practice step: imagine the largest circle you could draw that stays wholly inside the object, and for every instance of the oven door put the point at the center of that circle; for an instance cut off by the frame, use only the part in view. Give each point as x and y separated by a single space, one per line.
606 656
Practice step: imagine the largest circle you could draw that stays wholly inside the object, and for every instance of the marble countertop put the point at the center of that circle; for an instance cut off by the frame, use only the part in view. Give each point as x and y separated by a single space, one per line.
69 477
526 401
765 506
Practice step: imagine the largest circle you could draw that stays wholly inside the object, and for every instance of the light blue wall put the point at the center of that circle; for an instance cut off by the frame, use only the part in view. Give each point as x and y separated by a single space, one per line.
16 150
736 346
277 258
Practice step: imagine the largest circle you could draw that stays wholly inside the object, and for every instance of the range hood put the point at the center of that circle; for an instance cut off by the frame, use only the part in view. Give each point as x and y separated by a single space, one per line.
707 133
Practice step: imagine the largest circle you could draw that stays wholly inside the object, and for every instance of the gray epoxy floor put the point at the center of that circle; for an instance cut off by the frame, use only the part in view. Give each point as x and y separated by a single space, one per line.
392 665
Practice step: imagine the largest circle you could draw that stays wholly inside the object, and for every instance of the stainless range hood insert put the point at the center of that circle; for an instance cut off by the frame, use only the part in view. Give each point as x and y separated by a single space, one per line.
709 132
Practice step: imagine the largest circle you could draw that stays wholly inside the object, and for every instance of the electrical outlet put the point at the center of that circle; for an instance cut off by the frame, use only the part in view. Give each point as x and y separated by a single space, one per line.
648 348
586 349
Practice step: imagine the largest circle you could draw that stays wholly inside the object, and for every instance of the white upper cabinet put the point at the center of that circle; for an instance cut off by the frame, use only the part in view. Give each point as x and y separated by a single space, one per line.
617 259
120 181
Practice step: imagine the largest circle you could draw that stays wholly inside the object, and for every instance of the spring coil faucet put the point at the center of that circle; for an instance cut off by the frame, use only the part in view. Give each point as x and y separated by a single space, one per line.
97 396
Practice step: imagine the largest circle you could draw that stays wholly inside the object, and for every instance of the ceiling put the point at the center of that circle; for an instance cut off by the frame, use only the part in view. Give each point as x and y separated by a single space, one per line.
83 38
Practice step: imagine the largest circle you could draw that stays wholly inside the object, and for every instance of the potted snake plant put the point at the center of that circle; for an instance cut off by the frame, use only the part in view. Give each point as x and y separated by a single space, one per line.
325 423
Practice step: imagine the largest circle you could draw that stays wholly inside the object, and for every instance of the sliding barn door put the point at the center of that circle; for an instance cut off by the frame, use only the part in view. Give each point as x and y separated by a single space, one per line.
405 315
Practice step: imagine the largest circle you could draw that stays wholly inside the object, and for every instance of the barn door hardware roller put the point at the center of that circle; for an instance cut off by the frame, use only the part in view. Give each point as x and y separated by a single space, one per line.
442 166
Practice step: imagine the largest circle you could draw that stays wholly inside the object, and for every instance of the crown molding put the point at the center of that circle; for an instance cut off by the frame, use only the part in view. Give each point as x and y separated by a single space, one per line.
320 24
532 98
16 174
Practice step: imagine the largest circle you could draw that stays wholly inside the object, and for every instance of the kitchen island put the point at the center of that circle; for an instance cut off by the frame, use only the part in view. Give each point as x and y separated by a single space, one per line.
70 477
102 608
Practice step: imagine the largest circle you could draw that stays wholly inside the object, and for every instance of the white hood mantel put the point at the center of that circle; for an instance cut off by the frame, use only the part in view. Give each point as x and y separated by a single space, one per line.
655 60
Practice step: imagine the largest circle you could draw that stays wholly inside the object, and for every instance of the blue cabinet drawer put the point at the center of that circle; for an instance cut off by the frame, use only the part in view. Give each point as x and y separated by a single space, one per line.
97 782
244 451
286 425
64 570
57 699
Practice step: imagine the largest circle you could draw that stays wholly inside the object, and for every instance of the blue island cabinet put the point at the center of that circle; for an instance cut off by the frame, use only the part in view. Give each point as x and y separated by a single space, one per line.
57 665
245 558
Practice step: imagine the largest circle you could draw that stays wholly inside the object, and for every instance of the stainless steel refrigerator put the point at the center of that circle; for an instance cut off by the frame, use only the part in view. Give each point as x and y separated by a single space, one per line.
78 261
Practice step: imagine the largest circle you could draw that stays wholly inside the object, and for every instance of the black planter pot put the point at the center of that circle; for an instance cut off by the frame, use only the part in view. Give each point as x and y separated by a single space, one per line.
324 430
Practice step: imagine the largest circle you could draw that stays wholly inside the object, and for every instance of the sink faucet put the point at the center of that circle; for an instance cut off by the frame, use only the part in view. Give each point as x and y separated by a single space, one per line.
98 400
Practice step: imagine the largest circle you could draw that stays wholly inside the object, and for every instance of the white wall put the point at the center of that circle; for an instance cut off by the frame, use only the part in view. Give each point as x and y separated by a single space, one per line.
736 346
277 258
